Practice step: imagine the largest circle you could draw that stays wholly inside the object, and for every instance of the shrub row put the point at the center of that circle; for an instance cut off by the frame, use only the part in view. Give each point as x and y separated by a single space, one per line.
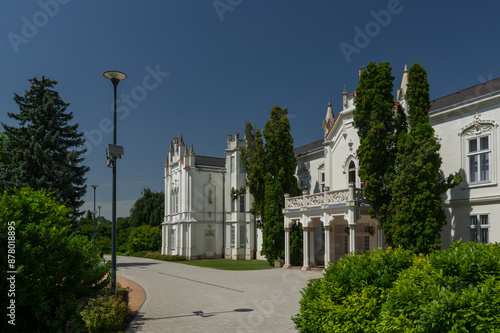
165 257
455 290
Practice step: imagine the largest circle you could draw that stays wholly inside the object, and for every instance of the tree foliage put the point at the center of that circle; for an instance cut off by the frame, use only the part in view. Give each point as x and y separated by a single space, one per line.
85 227
148 209
56 273
145 238
270 163
417 214
375 122
400 166
455 290
45 151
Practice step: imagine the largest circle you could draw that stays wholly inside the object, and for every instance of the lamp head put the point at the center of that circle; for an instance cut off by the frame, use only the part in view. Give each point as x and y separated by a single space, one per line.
115 76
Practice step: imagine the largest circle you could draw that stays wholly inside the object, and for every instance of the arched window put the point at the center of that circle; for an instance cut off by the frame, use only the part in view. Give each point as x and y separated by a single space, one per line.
351 172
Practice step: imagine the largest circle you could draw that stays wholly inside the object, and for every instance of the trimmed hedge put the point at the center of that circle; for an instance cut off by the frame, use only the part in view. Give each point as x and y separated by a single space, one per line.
455 290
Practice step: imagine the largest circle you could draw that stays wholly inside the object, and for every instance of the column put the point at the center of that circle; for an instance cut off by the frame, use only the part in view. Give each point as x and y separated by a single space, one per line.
287 249
352 238
306 267
380 236
192 236
327 245
312 253
162 251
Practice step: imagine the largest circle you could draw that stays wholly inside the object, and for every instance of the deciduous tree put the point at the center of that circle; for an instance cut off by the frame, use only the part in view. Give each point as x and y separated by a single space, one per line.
55 272
148 209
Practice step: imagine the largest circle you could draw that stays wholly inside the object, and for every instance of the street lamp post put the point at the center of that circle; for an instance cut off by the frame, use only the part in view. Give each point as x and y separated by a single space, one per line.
115 78
93 214
99 229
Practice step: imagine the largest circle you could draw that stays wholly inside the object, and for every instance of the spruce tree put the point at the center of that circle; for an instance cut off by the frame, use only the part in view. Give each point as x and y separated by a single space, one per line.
270 164
374 118
417 190
45 150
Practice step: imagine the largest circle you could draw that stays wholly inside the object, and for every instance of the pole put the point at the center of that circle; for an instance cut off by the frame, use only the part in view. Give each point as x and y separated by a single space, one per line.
93 224
99 229
113 214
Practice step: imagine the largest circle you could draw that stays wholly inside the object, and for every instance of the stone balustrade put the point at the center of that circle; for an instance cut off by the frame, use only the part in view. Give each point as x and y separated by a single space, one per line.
325 198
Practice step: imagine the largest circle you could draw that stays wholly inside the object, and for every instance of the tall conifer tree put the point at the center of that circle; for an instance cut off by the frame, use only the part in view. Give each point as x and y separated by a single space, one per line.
418 217
374 119
270 164
45 150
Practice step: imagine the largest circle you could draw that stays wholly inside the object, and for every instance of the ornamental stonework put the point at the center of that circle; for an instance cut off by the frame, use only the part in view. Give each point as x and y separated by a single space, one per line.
478 127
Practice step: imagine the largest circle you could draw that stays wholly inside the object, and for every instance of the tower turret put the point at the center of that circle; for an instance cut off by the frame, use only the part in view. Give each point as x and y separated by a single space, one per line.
327 123
404 85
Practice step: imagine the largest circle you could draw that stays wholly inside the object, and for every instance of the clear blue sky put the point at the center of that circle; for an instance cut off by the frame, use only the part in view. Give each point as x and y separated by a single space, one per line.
225 65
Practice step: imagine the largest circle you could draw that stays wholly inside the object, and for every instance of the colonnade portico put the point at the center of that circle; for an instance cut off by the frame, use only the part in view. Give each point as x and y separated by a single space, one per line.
339 213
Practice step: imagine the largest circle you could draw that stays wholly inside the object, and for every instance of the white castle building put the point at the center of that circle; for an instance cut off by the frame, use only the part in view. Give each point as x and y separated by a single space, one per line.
202 220
334 214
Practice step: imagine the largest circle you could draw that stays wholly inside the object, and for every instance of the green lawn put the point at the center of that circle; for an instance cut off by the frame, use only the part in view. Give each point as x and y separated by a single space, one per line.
230 265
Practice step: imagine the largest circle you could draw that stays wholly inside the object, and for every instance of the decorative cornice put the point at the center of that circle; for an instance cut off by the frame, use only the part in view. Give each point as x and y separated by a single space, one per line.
478 127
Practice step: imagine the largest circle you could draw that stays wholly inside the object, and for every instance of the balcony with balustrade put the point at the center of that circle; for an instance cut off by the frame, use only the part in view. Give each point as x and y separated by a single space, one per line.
325 200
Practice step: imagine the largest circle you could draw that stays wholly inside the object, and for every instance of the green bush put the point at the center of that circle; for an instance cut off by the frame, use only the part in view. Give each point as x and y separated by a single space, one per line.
165 257
104 313
139 254
455 290
56 272
145 238
350 296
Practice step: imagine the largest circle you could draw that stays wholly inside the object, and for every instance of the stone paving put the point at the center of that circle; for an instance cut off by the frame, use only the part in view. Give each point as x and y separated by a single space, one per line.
182 298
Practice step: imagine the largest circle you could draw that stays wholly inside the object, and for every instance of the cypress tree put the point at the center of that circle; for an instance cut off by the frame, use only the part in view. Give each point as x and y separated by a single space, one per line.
374 118
270 164
45 150
417 190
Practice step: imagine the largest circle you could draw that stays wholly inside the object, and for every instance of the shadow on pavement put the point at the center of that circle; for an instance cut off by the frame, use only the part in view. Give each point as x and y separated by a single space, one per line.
134 264
136 324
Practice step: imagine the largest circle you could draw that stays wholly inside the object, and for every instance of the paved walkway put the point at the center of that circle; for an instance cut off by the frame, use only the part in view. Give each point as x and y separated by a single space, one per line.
182 298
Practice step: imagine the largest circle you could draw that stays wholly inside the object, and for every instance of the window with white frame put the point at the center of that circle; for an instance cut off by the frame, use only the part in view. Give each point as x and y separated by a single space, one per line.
478 159
172 239
479 226
233 235
243 234
242 203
